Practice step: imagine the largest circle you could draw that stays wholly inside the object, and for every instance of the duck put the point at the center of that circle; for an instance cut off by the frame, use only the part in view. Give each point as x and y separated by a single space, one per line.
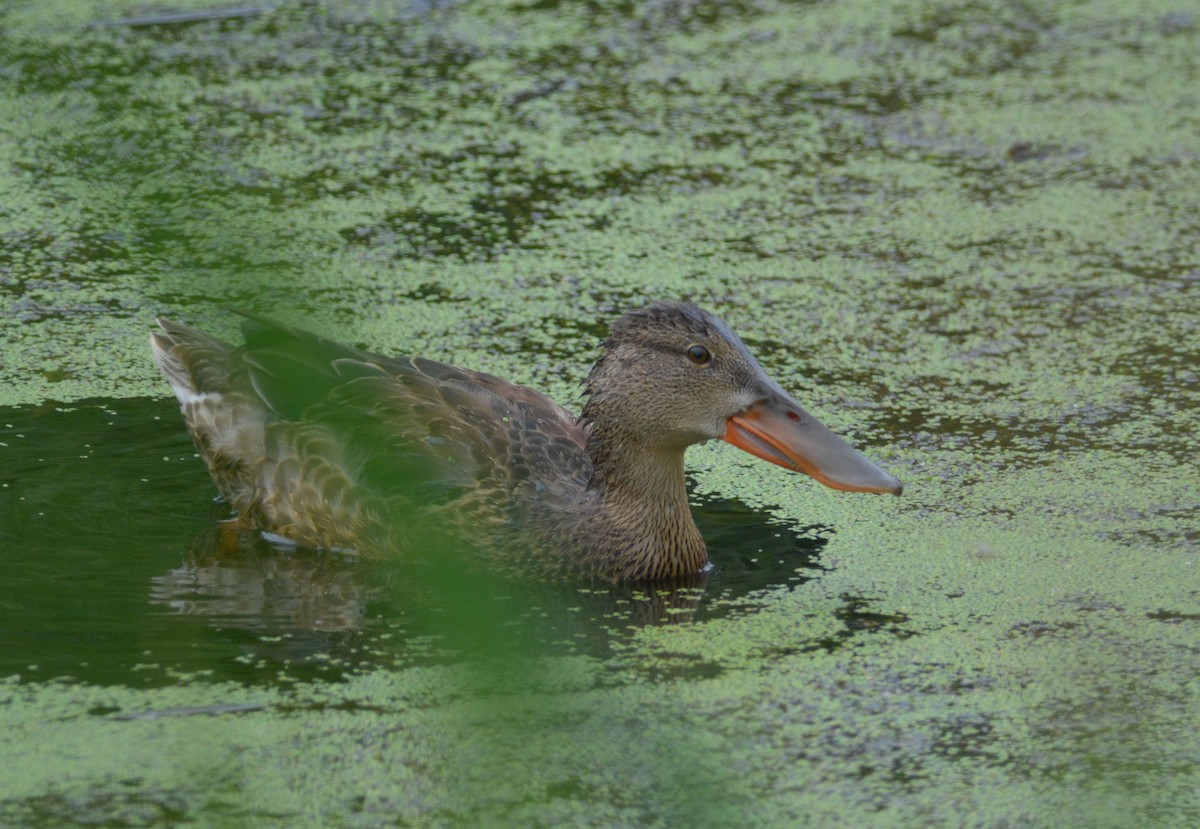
332 447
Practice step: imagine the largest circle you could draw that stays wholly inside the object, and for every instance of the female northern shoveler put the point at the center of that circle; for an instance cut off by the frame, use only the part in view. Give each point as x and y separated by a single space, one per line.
334 447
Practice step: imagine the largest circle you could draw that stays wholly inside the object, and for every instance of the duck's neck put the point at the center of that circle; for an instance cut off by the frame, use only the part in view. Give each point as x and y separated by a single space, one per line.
645 527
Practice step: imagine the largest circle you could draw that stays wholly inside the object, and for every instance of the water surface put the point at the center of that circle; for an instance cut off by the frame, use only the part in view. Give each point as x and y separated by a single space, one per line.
964 234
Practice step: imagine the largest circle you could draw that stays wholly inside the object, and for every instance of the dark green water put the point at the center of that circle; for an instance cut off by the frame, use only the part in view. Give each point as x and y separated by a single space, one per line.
963 233
121 571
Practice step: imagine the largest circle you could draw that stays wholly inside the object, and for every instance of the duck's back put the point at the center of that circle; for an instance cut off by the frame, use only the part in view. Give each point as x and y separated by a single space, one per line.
336 447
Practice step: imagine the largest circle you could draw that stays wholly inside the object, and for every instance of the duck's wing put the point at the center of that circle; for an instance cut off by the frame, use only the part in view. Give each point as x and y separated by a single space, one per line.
350 426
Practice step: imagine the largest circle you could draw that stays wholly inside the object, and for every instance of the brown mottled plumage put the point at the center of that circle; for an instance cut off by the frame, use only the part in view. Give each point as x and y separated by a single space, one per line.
334 447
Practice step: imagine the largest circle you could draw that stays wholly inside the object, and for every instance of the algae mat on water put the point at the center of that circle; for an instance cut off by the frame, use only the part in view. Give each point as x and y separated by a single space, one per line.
964 233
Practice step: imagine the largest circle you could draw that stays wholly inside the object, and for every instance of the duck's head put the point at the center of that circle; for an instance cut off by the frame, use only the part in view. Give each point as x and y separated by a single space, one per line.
672 375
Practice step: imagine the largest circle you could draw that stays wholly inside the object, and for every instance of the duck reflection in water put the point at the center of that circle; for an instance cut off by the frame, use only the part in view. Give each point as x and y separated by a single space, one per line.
238 579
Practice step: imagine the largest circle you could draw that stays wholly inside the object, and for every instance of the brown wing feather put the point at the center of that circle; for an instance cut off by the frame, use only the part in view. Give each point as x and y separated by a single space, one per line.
471 446
335 447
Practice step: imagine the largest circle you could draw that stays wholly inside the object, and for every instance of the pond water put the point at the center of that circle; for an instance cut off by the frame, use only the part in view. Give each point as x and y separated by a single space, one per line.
128 575
963 234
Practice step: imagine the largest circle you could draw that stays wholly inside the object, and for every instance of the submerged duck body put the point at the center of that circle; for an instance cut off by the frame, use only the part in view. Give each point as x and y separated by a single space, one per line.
335 447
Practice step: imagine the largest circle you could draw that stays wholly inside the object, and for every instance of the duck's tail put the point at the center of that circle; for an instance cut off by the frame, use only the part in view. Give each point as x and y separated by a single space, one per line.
226 419
193 362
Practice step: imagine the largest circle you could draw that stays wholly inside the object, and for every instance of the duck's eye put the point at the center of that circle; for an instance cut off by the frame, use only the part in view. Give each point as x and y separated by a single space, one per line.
699 355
